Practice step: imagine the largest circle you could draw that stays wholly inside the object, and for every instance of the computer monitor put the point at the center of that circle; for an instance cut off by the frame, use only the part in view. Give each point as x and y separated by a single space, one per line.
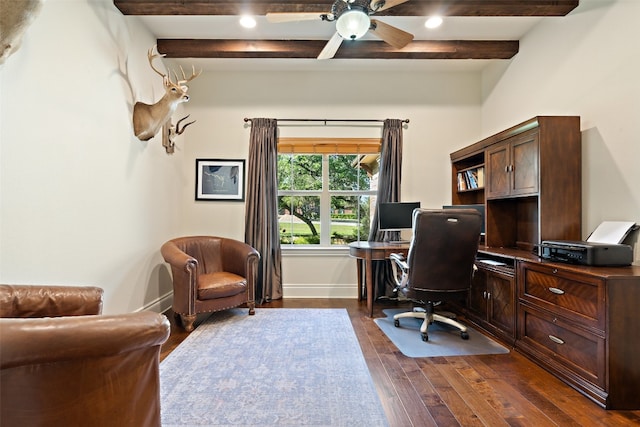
478 207
396 216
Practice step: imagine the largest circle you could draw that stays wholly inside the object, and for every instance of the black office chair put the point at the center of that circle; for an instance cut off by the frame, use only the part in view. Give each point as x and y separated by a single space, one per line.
440 263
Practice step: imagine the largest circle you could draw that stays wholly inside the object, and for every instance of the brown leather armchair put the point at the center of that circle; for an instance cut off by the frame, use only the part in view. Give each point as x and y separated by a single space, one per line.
210 274
63 364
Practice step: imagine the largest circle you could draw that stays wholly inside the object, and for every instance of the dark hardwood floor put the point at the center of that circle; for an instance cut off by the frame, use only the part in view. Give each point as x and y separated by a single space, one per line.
487 390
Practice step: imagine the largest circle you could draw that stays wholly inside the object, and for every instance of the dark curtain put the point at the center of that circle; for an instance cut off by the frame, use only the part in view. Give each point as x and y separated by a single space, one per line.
261 215
389 179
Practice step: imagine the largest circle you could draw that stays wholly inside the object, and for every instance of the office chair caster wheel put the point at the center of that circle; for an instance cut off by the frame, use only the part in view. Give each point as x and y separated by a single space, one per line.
425 337
396 323
464 335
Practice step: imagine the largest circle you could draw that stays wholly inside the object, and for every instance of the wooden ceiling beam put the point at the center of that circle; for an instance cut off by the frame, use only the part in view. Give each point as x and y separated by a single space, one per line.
410 8
417 49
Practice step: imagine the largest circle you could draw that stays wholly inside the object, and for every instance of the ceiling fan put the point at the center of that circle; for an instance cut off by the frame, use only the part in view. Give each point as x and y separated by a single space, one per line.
353 20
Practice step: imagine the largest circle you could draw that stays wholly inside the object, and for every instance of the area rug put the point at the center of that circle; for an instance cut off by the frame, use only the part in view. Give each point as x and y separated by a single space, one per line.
444 340
295 367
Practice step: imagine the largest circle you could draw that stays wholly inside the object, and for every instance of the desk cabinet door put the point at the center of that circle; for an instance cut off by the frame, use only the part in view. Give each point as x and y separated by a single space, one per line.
513 167
492 302
524 158
478 295
502 313
498 164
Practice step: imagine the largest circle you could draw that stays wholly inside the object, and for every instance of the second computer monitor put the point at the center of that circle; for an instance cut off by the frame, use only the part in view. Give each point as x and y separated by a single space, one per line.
396 216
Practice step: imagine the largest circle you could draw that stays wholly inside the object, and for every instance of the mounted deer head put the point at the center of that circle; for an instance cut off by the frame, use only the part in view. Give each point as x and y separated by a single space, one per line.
148 119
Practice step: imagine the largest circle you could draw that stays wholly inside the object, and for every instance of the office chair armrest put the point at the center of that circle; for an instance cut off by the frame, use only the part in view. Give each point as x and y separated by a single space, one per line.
400 260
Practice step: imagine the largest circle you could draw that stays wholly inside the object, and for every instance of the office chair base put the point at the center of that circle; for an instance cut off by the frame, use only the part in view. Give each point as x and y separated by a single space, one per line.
429 318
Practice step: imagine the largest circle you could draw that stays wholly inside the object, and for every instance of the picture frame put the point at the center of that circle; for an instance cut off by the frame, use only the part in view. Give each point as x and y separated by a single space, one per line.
220 180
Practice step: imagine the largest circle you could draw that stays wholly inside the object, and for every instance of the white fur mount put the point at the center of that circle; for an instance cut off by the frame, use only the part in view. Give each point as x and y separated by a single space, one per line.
15 17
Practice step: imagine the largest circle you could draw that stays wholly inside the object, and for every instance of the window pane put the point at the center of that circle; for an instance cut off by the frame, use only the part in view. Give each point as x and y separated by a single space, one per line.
299 172
346 172
299 220
350 219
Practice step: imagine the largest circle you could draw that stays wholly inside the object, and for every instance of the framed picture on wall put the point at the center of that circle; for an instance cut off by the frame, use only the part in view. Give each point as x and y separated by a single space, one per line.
220 179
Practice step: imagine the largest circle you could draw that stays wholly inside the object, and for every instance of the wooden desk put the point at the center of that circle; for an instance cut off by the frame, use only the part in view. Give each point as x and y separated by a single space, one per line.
366 252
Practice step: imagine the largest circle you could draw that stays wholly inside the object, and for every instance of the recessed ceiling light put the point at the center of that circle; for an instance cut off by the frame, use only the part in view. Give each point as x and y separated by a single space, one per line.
433 22
247 22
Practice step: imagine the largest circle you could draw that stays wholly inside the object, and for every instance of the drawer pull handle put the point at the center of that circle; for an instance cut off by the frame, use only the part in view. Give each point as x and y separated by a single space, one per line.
556 339
556 291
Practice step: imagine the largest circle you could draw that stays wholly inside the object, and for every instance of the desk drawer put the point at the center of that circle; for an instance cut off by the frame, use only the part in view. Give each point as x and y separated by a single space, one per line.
578 297
577 350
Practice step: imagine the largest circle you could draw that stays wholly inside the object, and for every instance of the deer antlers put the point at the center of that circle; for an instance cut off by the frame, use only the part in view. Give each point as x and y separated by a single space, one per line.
167 77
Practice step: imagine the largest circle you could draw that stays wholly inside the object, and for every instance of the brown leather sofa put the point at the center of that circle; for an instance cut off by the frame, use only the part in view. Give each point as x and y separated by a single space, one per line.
210 274
64 364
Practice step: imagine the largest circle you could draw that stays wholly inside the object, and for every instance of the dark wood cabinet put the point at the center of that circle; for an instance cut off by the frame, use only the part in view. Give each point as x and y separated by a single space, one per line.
512 166
492 301
533 175
582 324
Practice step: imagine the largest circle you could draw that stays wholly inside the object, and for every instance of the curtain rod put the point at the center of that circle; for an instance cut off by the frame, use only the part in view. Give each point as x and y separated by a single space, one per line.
330 120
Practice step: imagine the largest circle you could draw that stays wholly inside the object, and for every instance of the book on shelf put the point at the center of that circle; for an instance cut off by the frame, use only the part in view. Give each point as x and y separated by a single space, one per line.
462 183
471 179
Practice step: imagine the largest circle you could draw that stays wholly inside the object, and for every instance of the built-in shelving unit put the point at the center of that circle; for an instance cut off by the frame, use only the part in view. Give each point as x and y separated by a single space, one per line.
471 179
532 181
528 177
571 320
463 193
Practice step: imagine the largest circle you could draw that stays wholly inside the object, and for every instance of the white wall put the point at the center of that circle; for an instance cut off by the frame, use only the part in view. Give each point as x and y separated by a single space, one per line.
83 202
585 64
444 112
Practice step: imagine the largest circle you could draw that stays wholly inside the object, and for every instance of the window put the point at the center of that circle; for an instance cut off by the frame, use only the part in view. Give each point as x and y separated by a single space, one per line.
325 198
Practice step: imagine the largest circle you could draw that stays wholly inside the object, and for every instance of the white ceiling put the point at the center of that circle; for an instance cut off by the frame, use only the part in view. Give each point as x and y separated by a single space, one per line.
228 27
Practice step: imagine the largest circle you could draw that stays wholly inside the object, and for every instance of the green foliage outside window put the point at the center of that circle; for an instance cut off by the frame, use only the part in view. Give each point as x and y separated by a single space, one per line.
300 186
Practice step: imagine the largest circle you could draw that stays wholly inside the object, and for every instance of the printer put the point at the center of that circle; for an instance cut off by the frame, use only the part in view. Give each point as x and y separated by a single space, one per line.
587 253
603 247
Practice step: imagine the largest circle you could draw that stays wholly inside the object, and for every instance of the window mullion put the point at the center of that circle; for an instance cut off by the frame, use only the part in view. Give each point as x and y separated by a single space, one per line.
325 204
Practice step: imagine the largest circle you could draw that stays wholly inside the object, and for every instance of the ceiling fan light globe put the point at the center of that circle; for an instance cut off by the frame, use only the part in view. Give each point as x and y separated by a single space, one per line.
247 21
433 22
353 24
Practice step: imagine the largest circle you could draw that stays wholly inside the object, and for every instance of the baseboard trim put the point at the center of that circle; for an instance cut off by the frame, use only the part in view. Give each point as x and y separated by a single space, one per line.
330 290
159 305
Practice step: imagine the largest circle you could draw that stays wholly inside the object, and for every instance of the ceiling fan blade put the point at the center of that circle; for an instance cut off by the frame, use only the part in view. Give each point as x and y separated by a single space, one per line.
331 47
387 4
390 34
292 17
